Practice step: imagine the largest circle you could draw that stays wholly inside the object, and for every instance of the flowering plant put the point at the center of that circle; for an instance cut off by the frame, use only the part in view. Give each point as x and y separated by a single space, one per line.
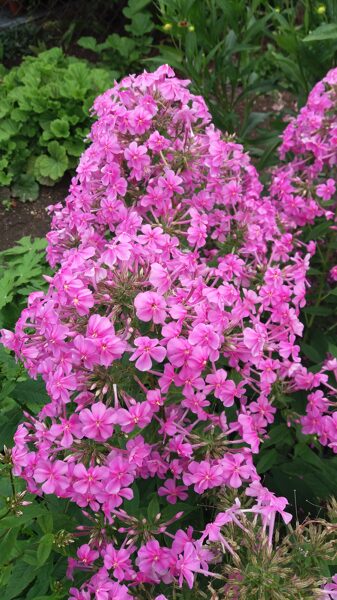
168 328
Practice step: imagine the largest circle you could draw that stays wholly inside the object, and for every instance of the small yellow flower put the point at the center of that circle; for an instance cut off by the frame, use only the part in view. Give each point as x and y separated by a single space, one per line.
321 9
191 28
277 9
167 27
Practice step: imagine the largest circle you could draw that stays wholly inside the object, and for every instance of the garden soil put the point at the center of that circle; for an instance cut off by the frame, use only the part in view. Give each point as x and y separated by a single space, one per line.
30 218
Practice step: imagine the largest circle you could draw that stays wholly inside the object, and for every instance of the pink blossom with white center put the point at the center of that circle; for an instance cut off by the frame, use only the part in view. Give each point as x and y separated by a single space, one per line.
110 348
171 183
53 474
99 327
204 475
234 471
254 339
204 336
68 429
326 190
86 555
137 415
119 562
119 249
147 349
97 422
222 388
187 565
152 560
172 491
87 480
137 158
150 306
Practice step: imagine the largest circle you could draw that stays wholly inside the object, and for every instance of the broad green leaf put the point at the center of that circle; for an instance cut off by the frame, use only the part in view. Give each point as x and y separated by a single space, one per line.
25 188
46 522
88 42
53 165
60 128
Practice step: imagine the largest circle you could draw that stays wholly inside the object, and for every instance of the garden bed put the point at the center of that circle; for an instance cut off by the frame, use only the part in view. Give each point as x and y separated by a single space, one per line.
30 218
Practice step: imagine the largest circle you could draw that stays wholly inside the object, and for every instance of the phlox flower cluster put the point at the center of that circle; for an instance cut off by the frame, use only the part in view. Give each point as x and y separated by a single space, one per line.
168 329
303 188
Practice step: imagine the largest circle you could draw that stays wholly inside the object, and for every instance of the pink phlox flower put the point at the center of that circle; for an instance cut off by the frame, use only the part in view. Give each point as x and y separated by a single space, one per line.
97 422
86 555
234 469
137 415
204 475
147 349
118 249
68 429
119 562
153 560
172 491
150 306
187 565
53 476
254 339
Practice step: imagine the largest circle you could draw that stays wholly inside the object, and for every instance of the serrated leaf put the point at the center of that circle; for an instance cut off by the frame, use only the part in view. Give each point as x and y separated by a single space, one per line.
89 43
25 188
59 128
6 288
54 165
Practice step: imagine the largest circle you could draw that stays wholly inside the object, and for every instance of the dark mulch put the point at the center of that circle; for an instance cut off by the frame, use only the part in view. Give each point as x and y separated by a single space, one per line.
30 218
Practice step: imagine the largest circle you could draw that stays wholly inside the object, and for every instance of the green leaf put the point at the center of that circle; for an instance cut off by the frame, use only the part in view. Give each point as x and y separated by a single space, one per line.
25 188
20 578
328 31
7 544
29 513
318 231
311 353
320 311
267 460
6 288
135 6
60 128
89 43
32 393
74 146
44 548
46 522
53 165
8 129
153 509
